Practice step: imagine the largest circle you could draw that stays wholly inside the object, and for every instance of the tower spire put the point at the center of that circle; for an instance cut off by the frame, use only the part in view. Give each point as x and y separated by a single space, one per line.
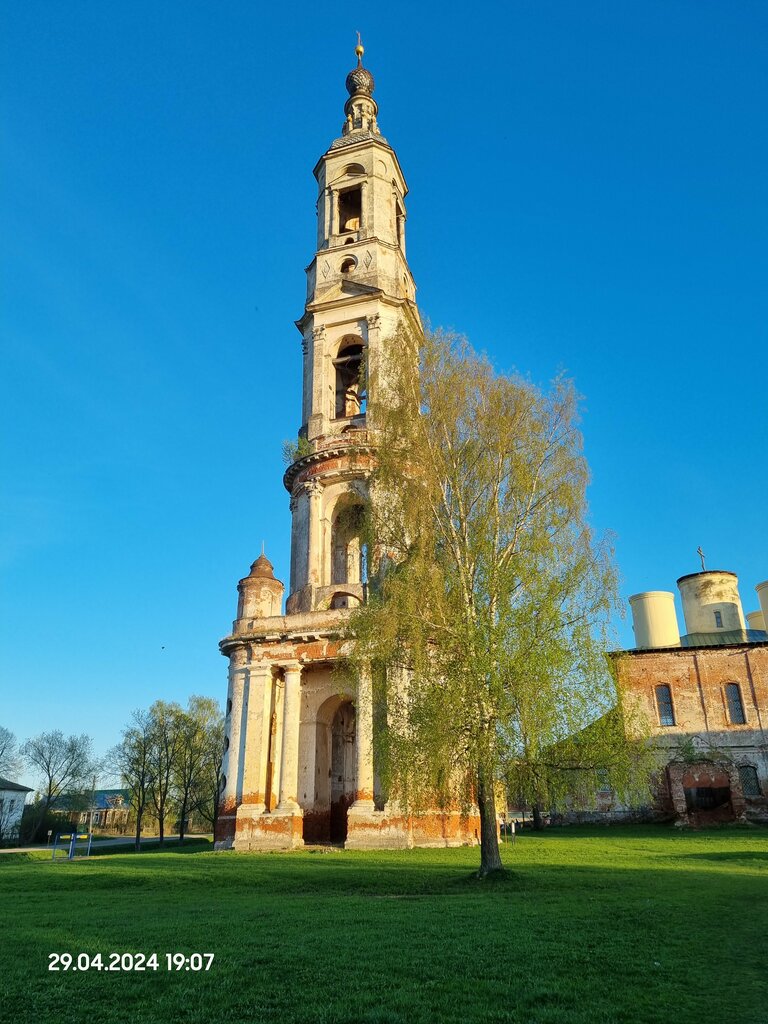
361 108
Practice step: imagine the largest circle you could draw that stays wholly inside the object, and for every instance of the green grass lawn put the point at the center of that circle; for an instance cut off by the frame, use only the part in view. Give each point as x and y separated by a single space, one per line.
634 924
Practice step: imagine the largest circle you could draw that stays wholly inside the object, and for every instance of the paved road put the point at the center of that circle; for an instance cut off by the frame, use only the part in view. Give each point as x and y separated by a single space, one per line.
119 841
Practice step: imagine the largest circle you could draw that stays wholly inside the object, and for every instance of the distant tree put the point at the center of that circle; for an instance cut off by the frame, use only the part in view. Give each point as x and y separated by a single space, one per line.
192 770
486 623
62 763
167 739
207 788
10 756
132 761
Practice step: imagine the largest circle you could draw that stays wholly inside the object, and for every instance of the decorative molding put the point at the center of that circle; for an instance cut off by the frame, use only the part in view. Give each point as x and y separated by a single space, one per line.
373 321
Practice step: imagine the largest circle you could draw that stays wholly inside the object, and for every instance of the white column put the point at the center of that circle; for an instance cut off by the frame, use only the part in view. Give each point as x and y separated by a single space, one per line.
289 761
257 718
315 546
334 218
364 743
365 218
375 366
318 411
234 731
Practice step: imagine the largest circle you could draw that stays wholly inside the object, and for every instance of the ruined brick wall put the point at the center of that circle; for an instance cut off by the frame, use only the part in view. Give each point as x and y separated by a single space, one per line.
703 723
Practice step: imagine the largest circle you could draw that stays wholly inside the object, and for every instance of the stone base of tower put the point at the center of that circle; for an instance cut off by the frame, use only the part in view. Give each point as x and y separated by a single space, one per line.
390 829
276 831
226 824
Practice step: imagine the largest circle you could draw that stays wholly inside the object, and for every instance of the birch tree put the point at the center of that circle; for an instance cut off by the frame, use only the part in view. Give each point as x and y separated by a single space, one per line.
491 594
167 739
192 768
133 762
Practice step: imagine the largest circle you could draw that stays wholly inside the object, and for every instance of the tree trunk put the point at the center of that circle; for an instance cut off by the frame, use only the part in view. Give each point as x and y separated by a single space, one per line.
538 822
490 858
183 816
137 844
161 817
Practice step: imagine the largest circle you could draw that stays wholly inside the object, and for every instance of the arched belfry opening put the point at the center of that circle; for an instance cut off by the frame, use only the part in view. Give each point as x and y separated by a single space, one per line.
349 552
350 385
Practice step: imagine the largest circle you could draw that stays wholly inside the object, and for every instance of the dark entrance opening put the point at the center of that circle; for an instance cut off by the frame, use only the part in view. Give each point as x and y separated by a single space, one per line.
342 770
707 797
335 772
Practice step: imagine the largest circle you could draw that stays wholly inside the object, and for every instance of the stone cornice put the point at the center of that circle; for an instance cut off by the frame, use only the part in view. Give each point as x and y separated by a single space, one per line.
334 449
308 626
363 144
350 300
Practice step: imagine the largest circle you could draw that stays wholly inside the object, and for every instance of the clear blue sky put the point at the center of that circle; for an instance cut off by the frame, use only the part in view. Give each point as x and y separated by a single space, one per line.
588 192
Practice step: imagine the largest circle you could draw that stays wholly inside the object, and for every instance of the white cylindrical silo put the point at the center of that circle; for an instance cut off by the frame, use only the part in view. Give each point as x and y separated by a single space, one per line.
762 596
711 602
654 619
755 620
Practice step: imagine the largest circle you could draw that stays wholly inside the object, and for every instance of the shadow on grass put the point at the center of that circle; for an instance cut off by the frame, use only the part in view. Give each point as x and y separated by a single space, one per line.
759 856
169 846
661 830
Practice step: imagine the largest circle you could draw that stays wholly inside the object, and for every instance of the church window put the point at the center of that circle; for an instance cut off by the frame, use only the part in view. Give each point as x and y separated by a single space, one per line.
348 265
750 784
735 704
719 620
350 209
350 389
664 705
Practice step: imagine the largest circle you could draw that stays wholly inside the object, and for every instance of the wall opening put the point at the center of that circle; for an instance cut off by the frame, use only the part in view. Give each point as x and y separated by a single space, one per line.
735 704
350 209
349 553
664 705
348 266
335 772
350 387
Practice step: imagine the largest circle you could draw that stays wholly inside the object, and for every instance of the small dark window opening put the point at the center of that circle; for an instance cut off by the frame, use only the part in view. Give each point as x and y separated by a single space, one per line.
350 209
750 783
719 620
350 389
348 241
347 266
735 704
229 706
664 704
399 218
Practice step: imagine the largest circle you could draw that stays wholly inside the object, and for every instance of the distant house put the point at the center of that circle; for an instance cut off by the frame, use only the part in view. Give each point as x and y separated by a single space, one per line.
110 808
12 799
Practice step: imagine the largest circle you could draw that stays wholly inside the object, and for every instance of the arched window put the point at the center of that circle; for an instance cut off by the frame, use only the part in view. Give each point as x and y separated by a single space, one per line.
750 784
664 705
350 388
349 560
735 704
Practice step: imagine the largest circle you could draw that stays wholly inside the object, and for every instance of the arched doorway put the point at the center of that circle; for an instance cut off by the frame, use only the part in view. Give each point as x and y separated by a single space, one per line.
335 772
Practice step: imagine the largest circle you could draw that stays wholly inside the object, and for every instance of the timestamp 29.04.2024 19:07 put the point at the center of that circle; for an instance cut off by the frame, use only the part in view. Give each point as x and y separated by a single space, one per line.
127 962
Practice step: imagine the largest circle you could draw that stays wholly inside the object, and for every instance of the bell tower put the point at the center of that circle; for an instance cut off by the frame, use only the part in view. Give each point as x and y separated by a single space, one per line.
360 293
298 760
